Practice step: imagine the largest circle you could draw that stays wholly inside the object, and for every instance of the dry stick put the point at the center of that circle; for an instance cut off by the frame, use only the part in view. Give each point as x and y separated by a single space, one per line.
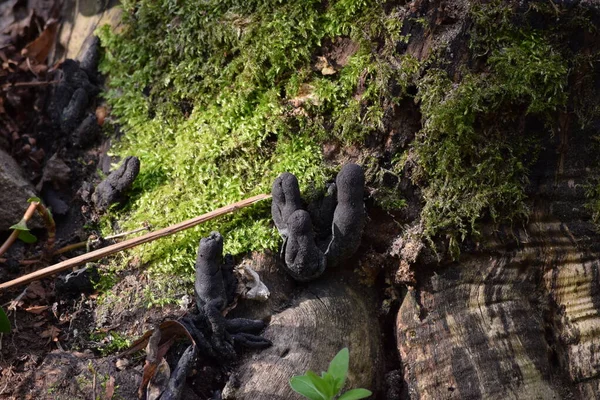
133 242
50 228
69 247
7 86
79 245
15 233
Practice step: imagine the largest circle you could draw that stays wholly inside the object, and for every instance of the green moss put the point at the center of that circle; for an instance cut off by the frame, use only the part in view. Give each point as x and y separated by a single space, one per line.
219 97
207 93
472 153
110 343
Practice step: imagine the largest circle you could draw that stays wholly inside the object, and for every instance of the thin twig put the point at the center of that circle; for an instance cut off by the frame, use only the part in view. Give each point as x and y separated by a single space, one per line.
8 86
79 245
130 243
118 235
30 262
70 247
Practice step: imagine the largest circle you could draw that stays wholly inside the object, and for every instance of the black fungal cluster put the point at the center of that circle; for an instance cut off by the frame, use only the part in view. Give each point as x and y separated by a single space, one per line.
111 189
215 286
327 235
72 104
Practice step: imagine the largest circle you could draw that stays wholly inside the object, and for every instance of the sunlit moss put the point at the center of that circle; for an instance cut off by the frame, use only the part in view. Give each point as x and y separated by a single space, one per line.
206 93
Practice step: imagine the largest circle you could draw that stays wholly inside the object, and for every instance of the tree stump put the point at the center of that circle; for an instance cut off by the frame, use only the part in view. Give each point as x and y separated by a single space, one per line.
324 317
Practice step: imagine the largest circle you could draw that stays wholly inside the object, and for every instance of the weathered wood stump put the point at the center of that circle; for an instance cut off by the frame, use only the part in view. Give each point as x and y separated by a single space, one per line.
323 317
519 317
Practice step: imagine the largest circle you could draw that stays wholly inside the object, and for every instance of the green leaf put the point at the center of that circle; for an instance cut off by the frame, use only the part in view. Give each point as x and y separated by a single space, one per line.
338 368
4 322
32 199
304 385
331 383
20 226
27 237
355 394
323 385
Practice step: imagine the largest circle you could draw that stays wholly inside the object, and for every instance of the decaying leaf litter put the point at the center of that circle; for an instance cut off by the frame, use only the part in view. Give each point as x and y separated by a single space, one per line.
57 167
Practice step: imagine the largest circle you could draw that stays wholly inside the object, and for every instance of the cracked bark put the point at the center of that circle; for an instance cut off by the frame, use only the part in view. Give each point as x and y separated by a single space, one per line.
515 318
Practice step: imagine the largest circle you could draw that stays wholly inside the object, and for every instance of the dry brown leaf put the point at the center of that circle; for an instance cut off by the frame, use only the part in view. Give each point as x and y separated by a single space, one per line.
40 47
110 388
39 323
17 29
157 385
156 353
324 66
7 14
55 171
51 333
305 94
36 309
168 329
35 289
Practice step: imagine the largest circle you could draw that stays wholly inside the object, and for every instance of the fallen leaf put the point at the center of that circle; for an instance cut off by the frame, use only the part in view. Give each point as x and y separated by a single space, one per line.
51 333
7 14
55 171
152 347
306 93
169 330
159 382
35 289
324 66
40 47
110 388
36 309
155 354
329 70
122 363
18 28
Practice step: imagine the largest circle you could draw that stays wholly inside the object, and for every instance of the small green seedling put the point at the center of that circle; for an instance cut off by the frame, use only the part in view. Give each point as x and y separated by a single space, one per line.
22 227
328 385
4 322
24 233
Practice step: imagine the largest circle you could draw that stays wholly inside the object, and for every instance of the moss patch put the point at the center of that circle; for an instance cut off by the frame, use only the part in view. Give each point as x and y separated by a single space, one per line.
219 97
236 92
473 152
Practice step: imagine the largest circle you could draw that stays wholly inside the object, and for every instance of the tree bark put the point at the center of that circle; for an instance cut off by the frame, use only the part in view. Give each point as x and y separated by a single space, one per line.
517 317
